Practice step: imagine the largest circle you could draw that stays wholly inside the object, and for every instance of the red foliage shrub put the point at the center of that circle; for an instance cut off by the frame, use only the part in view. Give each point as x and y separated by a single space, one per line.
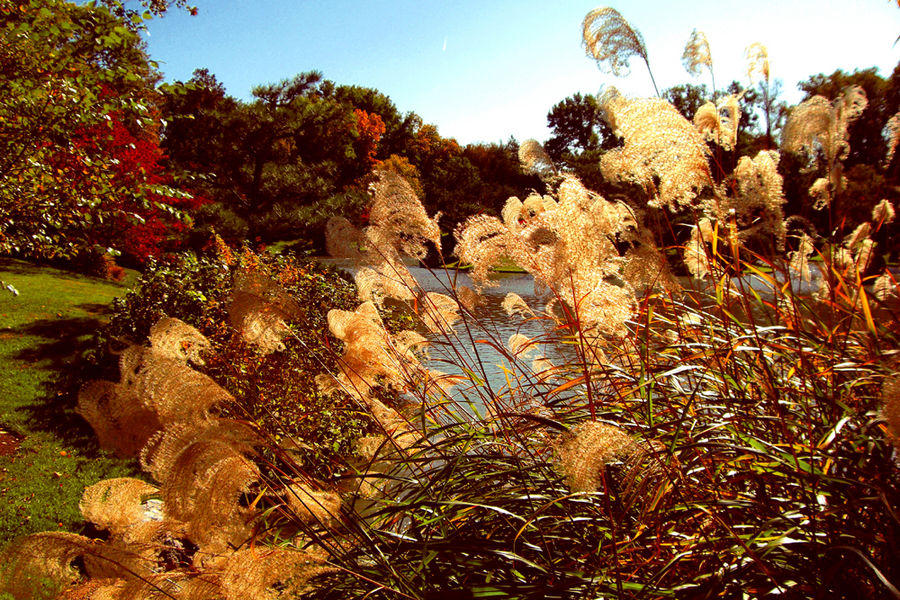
142 225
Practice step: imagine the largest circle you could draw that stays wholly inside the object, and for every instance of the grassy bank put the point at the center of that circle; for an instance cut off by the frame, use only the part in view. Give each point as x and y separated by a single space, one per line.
48 454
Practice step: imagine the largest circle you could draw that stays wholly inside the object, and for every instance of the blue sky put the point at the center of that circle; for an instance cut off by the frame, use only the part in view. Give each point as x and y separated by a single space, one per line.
483 71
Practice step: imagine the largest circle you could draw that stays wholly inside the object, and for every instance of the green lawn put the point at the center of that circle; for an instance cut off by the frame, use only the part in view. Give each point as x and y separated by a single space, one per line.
43 333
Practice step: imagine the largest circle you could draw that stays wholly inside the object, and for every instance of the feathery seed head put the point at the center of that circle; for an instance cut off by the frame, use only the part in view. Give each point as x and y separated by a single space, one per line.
520 345
660 145
401 219
312 506
757 56
800 258
759 186
534 159
885 287
584 451
513 304
882 213
818 123
864 255
115 504
179 340
468 298
707 121
861 233
481 241
342 239
697 54
611 41
892 133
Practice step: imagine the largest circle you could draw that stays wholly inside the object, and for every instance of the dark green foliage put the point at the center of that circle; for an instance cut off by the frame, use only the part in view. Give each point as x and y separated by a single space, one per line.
578 127
687 98
283 163
276 391
399 128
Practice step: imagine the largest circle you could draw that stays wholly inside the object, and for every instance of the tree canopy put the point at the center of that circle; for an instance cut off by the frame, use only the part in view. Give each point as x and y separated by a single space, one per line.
70 75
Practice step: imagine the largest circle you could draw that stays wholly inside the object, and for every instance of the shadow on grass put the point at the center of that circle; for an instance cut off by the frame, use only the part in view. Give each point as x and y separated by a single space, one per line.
61 351
19 267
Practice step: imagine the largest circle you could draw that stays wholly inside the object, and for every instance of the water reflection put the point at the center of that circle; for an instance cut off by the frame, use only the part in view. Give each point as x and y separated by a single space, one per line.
479 341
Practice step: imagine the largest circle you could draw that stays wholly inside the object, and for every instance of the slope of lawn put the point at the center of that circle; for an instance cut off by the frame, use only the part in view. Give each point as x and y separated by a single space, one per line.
48 454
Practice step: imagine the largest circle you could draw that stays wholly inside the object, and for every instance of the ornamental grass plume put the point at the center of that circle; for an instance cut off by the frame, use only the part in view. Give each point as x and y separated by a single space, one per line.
204 469
116 504
663 152
513 304
179 340
800 258
309 505
583 453
892 128
759 198
204 489
707 121
400 220
260 309
883 213
367 355
270 573
534 159
695 255
718 122
885 286
168 387
438 312
155 387
117 417
40 560
159 455
568 246
820 125
611 41
398 226
697 55
481 242
758 68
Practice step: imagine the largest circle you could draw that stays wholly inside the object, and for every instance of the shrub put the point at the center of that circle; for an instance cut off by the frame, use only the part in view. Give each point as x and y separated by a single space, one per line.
276 391
98 262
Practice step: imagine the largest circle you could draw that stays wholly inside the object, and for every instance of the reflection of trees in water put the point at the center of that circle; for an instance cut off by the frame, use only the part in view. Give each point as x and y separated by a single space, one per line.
479 334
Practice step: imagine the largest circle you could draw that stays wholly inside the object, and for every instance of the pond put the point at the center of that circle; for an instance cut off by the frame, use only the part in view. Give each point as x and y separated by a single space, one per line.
480 341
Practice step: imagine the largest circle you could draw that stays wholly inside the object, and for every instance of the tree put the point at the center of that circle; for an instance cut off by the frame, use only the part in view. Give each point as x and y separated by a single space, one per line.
274 164
67 71
194 115
369 129
578 126
398 129
687 98
579 137
151 8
